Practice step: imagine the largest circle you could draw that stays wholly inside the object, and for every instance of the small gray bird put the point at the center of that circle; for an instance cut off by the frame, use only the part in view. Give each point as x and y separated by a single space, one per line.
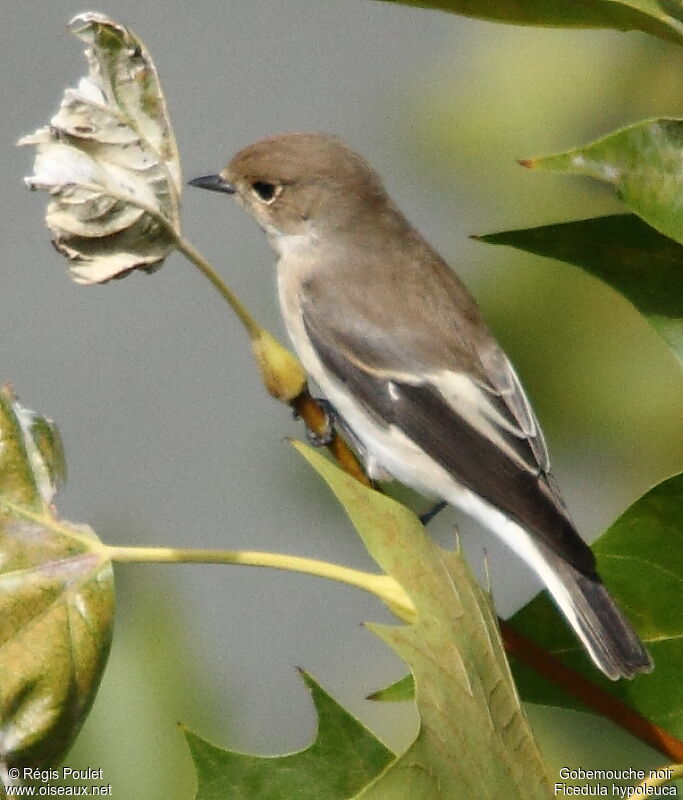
402 353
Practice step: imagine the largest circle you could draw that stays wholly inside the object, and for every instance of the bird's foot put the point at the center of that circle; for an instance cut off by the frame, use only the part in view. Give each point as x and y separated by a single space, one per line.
428 516
324 438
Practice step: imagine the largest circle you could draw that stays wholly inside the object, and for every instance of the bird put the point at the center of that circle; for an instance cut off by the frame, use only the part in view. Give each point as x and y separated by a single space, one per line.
403 355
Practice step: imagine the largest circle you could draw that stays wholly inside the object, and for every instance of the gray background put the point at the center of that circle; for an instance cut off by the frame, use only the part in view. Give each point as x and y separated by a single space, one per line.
169 436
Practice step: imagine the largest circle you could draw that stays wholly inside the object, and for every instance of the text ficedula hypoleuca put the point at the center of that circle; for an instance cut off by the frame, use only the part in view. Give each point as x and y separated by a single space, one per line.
401 351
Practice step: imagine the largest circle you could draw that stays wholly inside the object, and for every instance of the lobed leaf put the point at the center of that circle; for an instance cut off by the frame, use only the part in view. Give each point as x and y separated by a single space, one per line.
644 162
640 558
402 689
109 160
343 757
474 739
56 599
627 254
656 17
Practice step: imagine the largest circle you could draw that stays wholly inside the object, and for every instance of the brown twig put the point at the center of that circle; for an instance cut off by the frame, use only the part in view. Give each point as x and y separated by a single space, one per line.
315 418
589 693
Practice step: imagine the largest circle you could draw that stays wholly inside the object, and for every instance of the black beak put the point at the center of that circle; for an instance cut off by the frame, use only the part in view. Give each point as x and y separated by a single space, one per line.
213 182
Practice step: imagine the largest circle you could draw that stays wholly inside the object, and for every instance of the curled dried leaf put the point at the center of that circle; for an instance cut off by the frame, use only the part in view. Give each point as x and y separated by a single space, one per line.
109 160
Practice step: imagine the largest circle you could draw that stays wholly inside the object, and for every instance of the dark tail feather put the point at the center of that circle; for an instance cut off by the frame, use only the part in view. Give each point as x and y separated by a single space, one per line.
602 628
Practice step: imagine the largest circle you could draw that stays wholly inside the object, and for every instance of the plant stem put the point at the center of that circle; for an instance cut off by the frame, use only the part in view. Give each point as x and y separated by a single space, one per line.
315 418
382 586
590 694
193 255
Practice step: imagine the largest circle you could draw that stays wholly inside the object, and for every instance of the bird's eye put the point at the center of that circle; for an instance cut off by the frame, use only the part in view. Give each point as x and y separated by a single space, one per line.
265 191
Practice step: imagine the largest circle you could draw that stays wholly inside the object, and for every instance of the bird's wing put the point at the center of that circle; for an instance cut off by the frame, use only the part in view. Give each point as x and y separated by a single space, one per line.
454 395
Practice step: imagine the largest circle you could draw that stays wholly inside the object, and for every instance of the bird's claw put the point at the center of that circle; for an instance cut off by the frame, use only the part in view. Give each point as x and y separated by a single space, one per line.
429 515
324 438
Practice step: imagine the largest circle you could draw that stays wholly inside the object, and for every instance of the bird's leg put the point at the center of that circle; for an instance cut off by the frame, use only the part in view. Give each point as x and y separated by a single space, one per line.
428 516
324 438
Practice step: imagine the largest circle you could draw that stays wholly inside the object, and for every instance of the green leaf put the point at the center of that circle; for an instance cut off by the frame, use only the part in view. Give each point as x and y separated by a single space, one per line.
643 162
56 599
341 760
628 255
402 689
31 457
640 558
474 739
651 16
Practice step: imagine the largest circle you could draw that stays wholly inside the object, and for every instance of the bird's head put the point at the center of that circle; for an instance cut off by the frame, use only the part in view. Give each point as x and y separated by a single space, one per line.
300 184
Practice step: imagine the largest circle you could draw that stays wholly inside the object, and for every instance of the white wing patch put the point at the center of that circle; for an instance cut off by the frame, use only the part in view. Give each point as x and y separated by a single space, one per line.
478 407
506 384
